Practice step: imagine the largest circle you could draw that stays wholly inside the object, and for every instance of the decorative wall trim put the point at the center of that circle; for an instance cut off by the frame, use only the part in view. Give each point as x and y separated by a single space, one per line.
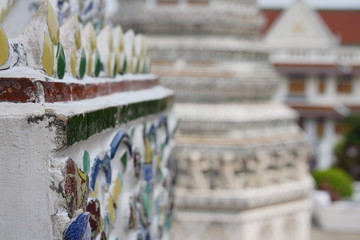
83 126
247 199
17 89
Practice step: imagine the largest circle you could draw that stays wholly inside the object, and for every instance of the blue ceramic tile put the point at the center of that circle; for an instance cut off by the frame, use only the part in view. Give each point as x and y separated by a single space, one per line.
120 137
100 164
147 172
107 169
77 230
95 171
152 132
162 119
164 122
89 7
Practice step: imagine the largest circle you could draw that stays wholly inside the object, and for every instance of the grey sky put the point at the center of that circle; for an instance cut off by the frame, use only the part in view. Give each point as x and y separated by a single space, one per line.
323 4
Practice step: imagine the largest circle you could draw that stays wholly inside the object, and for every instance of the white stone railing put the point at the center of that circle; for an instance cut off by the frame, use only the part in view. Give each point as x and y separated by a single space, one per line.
245 4
349 56
303 56
341 56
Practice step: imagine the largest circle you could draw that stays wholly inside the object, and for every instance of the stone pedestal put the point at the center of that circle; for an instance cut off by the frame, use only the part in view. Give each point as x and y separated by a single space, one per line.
242 160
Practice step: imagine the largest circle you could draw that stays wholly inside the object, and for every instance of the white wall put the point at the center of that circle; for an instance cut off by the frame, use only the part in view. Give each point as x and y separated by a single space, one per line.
329 97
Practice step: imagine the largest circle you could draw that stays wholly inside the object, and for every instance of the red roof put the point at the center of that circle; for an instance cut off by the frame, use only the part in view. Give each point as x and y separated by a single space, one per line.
270 16
343 23
311 111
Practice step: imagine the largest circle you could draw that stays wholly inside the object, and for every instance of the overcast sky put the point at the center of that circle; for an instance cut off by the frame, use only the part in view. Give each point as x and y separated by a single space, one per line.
328 4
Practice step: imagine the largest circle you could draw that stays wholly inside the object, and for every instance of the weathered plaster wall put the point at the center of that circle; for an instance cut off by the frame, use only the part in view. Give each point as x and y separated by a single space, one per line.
26 199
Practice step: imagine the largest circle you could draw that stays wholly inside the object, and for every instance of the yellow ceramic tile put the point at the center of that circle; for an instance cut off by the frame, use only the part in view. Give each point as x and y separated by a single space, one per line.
116 190
148 151
129 64
158 161
101 224
92 36
4 47
118 62
48 55
53 24
90 64
77 33
111 210
94 194
81 187
122 46
73 62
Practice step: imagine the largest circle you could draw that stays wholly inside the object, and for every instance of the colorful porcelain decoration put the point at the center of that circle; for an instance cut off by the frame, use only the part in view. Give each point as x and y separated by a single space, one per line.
53 24
61 62
78 229
48 55
95 220
4 47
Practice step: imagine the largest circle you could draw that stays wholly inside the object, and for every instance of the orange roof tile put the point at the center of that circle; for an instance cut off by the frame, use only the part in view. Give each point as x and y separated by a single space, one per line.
270 16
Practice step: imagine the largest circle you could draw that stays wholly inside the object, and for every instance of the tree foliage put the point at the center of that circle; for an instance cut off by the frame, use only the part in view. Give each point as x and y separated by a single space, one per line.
347 150
335 181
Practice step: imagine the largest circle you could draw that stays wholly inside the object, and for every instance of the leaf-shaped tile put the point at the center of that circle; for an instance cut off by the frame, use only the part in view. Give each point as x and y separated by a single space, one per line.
53 24
61 62
82 65
48 55
4 47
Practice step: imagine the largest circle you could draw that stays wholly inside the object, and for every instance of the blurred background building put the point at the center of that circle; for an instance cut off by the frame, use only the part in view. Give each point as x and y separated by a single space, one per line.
242 159
314 45
317 53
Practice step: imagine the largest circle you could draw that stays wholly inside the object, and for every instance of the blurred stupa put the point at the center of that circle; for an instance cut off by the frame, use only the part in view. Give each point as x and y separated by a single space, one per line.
242 160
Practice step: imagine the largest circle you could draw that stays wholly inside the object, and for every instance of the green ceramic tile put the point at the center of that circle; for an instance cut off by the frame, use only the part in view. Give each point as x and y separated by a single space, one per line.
61 62
124 66
86 162
115 68
98 64
83 126
82 67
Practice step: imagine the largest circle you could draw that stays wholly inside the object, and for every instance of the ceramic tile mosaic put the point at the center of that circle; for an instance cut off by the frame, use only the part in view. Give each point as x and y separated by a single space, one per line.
123 187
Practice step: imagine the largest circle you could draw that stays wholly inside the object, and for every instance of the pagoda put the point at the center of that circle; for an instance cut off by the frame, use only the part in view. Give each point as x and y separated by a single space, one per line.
241 157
